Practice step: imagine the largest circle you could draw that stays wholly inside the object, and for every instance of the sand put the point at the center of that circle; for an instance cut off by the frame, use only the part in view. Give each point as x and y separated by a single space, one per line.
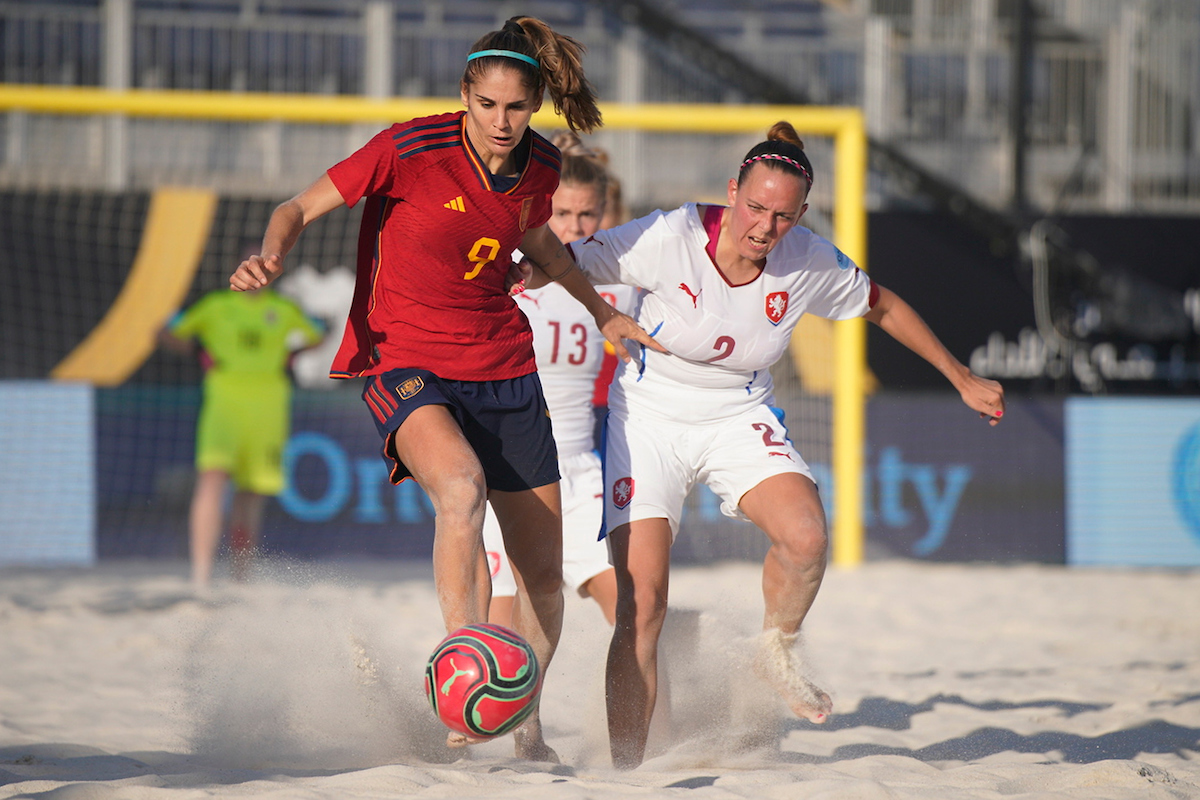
949 681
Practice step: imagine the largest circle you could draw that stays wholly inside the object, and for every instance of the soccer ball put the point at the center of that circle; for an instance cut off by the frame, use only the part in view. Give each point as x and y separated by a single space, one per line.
483 680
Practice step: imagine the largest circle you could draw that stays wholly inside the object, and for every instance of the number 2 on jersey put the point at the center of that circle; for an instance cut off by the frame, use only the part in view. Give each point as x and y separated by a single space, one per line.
724 346
478 258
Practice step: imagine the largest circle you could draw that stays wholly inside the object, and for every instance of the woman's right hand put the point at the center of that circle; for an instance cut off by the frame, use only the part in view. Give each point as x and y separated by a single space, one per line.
255 273
615 326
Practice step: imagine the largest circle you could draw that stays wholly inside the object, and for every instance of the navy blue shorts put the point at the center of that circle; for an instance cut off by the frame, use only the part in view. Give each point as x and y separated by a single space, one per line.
506 422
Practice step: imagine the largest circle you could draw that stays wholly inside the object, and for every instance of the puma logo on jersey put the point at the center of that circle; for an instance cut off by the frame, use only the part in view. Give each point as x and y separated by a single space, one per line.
777 303
785 455
456 204
694 297
622 492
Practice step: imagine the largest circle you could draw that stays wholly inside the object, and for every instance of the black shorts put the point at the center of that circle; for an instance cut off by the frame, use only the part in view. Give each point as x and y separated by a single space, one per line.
506 422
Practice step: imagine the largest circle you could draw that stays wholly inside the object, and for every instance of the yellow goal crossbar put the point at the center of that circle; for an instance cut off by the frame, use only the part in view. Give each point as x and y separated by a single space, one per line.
844 125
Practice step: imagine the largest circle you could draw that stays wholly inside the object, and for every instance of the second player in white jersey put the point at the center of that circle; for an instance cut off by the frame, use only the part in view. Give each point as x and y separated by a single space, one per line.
570 353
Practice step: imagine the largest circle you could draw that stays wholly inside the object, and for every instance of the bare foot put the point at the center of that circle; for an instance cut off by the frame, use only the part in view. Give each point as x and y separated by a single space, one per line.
779 665
530 745
456 739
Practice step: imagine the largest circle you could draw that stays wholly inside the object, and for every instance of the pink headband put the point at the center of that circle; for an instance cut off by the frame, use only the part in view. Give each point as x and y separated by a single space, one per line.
778 157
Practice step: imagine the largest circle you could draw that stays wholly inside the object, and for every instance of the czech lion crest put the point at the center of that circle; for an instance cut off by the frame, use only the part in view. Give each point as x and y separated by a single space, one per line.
777 303
622 492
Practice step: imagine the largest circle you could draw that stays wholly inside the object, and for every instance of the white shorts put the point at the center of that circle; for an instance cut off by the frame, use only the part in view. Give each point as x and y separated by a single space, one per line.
584 555
650 466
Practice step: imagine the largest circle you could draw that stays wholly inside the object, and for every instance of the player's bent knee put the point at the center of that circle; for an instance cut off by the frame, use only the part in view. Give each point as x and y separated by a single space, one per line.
542 579
539 564
805 542
462 494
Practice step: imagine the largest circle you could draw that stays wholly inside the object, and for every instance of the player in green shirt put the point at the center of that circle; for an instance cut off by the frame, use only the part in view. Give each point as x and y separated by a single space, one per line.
246 340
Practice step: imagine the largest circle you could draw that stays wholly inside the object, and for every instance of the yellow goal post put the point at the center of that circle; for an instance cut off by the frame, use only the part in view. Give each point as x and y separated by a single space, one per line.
845 126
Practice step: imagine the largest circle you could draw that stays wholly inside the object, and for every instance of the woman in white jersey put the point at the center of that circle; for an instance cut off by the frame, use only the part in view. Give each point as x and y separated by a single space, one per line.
570 352
724 288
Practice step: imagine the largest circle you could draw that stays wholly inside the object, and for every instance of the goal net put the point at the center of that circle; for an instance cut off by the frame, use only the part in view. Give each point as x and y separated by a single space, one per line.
98 256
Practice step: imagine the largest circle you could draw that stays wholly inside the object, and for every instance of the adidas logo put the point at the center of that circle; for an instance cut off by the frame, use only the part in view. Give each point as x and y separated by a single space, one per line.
456 204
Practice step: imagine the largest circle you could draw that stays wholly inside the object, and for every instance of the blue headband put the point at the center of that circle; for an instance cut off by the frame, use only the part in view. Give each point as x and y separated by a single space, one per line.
505 54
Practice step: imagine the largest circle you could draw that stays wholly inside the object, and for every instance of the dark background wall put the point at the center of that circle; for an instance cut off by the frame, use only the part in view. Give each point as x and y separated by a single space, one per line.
1144 267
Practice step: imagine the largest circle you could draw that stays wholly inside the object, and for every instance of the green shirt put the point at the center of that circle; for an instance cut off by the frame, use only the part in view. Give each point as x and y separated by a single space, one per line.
247 333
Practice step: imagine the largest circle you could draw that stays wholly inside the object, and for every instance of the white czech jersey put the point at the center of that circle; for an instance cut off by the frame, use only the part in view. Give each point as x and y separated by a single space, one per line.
569 351
722 338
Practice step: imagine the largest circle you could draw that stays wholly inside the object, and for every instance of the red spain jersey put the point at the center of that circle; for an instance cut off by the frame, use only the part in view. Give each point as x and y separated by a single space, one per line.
435 246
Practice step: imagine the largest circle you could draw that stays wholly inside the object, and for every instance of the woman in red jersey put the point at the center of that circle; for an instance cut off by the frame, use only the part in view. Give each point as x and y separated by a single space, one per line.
447 355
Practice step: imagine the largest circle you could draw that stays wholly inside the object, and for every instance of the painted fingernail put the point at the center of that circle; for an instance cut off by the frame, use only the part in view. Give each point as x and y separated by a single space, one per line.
999 413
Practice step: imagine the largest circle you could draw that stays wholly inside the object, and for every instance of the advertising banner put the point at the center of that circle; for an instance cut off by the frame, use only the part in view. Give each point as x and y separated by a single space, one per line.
943 485
47 474
338 502
940 484
1133 480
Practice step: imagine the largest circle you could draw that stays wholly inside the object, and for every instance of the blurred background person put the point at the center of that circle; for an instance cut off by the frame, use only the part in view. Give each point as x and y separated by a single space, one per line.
615 210
245 341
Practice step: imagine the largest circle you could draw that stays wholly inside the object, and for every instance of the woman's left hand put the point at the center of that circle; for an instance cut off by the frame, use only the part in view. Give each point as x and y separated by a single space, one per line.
985 396
518 273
